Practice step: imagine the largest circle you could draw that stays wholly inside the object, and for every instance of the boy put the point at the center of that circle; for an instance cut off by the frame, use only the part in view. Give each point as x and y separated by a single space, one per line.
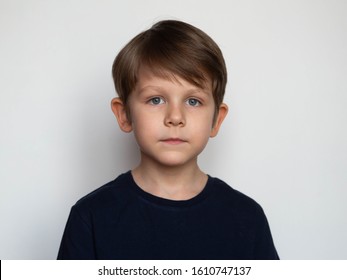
171 81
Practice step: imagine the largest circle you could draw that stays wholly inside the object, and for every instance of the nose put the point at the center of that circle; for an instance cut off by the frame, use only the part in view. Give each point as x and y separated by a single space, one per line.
174 116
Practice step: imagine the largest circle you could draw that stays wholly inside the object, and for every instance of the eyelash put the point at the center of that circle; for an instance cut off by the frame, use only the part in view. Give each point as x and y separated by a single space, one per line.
161 101
151 100
198 103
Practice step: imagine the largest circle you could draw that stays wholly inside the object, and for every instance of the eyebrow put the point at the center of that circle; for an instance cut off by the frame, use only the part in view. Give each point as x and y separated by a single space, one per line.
202 90
189 91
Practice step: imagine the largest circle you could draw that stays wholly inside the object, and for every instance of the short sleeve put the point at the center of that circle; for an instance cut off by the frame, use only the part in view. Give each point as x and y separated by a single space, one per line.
264 245
77 242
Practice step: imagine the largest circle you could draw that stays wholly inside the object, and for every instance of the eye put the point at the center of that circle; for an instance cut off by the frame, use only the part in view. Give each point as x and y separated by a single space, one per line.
156 101
193 102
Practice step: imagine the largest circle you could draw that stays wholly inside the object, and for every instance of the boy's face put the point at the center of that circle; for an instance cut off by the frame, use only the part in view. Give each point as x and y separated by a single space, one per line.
172 119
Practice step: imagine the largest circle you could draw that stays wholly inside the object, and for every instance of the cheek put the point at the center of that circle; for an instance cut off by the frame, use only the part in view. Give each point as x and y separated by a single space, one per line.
203 123
144 126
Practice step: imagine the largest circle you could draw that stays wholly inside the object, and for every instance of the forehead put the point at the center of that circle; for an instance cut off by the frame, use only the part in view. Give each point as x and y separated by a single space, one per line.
147 78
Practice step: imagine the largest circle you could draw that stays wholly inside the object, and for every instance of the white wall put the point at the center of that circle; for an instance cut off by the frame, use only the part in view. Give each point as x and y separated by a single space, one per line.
284 142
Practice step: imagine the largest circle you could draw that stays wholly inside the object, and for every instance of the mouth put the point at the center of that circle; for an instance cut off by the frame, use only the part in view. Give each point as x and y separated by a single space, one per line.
173 141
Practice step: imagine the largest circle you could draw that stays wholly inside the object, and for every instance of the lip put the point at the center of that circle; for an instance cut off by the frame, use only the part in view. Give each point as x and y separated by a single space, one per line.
173 141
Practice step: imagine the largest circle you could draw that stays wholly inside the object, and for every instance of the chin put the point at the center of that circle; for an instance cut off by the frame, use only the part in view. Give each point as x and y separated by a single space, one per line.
175 161
172 163
171 158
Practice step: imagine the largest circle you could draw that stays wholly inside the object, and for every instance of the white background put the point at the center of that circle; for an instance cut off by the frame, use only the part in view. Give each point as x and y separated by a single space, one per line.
284 142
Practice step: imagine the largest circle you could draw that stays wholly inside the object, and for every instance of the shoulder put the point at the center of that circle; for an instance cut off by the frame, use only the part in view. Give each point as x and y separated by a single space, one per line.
234 200
114 193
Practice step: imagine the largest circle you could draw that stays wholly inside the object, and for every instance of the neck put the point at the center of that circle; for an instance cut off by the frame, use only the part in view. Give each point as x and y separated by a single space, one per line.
171 182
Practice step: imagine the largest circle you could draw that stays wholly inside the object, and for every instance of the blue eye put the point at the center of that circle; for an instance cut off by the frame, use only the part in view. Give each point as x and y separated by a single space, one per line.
156 101
193 102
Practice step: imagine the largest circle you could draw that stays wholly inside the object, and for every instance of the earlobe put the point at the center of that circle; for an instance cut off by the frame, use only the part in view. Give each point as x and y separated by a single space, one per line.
223 111
119 110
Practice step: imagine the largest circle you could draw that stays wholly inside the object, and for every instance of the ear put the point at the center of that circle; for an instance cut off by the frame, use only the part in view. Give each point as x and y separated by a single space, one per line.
223 111
119 111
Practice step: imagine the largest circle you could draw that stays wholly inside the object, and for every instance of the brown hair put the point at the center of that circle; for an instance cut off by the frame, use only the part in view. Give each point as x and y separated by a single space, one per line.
169 48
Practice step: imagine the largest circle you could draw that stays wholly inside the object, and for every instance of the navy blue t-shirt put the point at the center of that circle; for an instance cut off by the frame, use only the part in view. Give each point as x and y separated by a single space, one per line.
121 221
